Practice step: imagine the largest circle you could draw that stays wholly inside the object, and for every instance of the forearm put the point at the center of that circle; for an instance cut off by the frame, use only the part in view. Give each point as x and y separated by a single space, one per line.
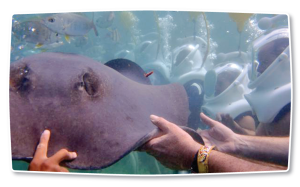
221 162
269 149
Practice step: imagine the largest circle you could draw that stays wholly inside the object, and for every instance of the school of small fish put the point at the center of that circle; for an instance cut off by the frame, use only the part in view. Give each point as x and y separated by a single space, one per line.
70 26
36 33
64 32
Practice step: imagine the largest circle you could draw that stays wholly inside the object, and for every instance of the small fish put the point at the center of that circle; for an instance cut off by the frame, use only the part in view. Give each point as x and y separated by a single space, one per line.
114 35
148 74
69 24
80 41
105 20
36 33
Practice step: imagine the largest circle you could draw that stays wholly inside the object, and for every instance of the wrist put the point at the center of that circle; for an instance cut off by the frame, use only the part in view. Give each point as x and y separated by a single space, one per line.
191 156
240 144
200 162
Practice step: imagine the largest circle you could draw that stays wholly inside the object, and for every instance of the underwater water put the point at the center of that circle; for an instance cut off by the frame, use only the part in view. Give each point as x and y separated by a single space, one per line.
150 39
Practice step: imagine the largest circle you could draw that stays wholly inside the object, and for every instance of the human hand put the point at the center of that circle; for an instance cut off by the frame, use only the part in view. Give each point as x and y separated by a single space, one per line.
245 125
40 160
219 135
226 120
171 145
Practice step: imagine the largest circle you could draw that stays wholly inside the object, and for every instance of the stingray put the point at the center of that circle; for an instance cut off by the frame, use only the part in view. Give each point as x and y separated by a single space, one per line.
89 107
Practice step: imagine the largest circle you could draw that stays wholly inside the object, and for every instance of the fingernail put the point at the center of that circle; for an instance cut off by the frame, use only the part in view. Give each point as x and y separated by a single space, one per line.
46 132
73 155
153 118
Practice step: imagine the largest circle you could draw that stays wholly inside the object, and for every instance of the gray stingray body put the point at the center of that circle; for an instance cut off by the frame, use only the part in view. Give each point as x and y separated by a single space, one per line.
88 107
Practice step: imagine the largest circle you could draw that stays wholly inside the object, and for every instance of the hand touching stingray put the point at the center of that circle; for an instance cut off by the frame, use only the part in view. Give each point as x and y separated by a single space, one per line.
40 160
91 107
171 145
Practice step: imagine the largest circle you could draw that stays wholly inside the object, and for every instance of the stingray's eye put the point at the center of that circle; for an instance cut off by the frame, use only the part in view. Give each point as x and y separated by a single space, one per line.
82 84
19 80
91 83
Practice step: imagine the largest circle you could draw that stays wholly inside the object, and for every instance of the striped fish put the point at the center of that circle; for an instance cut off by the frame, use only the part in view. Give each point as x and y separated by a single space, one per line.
114 35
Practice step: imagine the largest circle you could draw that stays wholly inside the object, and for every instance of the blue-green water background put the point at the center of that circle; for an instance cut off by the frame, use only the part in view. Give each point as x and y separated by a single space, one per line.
224 38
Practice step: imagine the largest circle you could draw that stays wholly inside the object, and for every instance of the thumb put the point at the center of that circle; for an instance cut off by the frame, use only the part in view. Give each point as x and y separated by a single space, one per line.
208 121
160 122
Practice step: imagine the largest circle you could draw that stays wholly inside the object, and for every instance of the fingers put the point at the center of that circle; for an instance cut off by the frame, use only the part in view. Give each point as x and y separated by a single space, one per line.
227 117
223 117
62 155
219 116
40 160
160 122
41 150
52 163
156 134
62 169
208 121
149 145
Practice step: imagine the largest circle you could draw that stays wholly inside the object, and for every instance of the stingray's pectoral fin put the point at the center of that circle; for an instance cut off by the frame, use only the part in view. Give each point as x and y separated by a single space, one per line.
196 136
153 134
